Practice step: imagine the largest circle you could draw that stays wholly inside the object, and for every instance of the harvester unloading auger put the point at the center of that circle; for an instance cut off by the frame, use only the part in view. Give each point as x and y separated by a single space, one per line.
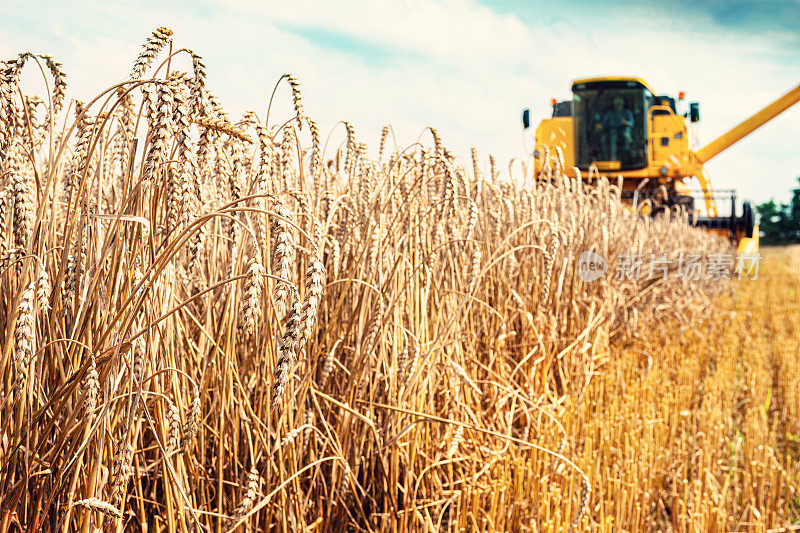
620 126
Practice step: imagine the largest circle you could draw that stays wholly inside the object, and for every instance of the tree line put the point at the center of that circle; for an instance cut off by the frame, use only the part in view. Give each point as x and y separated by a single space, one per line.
780 222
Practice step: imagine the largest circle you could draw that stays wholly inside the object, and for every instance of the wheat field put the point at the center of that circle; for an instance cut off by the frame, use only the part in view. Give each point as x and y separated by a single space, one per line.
214 324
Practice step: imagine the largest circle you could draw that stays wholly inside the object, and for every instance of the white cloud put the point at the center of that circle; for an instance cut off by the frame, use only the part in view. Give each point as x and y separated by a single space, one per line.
457 65
448 30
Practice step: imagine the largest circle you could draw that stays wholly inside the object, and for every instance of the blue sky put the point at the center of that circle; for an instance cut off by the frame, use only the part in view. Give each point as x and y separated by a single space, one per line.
466 67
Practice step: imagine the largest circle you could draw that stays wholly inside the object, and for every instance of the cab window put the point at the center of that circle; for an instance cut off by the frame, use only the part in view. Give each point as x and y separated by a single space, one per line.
611 124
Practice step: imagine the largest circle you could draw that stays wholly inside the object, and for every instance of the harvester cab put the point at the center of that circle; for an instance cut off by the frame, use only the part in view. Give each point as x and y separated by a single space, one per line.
620 126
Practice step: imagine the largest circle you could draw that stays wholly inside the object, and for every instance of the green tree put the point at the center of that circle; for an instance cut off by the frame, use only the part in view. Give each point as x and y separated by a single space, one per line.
794 207
780 223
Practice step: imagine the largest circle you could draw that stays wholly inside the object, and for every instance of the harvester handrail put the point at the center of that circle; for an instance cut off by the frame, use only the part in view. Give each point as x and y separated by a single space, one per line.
659 107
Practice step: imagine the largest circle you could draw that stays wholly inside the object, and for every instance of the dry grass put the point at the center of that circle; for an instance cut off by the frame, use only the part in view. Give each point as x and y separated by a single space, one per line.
695 426
209 324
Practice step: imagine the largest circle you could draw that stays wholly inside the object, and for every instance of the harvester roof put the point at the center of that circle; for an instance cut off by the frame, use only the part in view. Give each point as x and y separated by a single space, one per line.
586 83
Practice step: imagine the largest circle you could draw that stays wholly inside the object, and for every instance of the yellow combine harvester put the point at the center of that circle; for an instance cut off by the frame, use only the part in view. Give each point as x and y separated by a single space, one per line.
624 128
